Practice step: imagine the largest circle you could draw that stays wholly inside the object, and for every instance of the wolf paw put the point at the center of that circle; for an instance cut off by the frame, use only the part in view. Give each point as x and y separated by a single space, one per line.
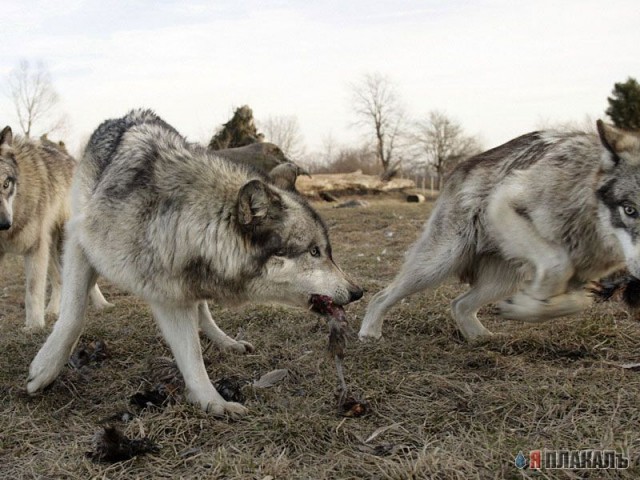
35 323
42 372
98 300
526 308
244 347
228 344
369 332
239 346
232 409
369 337
521 307
219 407
102 305
472 333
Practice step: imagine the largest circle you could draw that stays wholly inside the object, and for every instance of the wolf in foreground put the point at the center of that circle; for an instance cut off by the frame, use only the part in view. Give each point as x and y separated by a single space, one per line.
527 224
35 177
177 225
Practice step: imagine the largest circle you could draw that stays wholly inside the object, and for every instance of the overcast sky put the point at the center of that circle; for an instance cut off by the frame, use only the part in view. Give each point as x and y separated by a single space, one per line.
501 68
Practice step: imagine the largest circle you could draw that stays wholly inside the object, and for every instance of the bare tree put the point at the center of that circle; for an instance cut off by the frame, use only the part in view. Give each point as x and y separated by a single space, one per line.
284 131
351 159
378 109
442 143
34 98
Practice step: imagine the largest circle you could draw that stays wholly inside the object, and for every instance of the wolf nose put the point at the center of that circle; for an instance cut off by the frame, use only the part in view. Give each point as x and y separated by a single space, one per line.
5 225
355 295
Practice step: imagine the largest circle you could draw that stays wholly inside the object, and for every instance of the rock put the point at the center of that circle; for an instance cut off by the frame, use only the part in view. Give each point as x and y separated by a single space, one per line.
355 203
416 198
355 183
327 197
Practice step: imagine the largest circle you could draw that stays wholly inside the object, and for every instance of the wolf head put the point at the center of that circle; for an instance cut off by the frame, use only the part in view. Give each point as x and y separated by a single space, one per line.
293 242
619 189
8 178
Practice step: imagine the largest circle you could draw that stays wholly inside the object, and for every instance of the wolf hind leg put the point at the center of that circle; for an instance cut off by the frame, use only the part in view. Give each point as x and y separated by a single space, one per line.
36 264
97 299
216 335
524 308
55 269
431 260
78 275
494 279
179 326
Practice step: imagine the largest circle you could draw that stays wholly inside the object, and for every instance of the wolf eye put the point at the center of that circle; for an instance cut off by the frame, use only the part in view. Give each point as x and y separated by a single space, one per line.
6 184
314 251
630 211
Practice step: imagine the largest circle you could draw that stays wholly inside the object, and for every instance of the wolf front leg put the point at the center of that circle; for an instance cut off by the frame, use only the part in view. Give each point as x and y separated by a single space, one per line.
434 257
216 335
35 268
494 279
511 221
78 275
179 325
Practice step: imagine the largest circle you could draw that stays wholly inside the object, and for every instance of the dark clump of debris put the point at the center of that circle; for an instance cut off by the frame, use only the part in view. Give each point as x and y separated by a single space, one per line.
230 389
94 352
156 397
111 445
351 406
164 374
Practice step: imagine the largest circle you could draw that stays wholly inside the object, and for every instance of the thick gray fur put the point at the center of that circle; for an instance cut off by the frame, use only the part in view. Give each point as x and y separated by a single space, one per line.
178 225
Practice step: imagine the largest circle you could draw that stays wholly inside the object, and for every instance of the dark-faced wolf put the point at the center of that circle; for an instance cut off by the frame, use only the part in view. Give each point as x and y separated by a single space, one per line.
35 177
178 225
528 224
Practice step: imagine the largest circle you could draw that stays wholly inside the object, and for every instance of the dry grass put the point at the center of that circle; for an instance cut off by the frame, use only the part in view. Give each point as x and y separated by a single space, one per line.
454 410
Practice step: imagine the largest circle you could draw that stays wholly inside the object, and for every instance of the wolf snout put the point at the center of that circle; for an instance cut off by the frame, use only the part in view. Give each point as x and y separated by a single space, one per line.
355 294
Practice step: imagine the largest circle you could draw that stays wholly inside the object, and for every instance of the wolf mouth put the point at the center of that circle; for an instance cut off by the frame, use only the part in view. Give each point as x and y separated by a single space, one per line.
325 306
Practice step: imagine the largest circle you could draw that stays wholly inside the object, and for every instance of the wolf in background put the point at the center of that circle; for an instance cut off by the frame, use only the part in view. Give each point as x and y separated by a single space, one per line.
178 225
528 224
35 178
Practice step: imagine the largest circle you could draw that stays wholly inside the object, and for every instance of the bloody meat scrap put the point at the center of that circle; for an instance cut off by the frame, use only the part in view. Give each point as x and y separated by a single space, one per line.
348 405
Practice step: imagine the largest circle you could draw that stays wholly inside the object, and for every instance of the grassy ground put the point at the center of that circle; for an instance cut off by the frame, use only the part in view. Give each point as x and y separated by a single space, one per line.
452 410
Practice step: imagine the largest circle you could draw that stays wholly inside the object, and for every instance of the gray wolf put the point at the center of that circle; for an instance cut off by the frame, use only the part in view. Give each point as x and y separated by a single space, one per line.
528 224
35 178
263 155
266 157
177 225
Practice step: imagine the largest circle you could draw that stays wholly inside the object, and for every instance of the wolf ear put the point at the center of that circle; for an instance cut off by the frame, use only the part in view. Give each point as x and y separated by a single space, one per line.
258 205
284 176
6 136
617 141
